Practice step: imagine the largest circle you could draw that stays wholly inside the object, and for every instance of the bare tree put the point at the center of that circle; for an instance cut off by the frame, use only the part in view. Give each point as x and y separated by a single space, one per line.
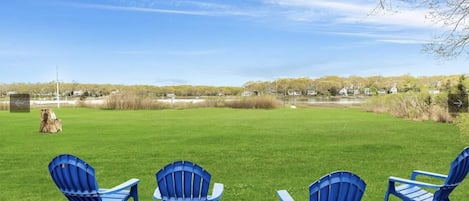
451 14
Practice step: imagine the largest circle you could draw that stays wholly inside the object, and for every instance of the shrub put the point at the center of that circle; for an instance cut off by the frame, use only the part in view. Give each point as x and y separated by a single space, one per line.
375 104
411 105
4 106
440 114
255 102
462 121
132 101
219 102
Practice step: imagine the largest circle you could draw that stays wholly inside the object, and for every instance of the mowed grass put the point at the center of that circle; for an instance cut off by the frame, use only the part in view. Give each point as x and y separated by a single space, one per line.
253 152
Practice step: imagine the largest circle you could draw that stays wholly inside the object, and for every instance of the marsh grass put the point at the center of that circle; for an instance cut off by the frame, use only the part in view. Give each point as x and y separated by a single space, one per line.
253 153
132 101
4 103
255 102
411 105
462 121
4 106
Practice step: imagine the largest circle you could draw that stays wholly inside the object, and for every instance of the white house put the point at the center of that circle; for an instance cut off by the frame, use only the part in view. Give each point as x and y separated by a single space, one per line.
77 92
311 92
247 93
293 93
381 91
367 91
393 90
343 92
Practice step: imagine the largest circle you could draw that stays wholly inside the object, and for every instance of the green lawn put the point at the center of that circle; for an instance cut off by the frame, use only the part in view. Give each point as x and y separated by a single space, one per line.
253 152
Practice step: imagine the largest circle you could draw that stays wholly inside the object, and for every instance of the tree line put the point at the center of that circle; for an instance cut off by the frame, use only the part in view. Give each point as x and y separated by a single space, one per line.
331 85
96 90
326 86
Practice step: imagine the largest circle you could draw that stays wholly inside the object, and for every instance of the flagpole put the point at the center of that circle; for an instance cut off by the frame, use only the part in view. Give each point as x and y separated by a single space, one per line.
57 82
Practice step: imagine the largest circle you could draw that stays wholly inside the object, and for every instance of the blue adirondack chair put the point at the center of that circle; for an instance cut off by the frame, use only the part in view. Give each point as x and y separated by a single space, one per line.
336 186
76 180
185 181
411 190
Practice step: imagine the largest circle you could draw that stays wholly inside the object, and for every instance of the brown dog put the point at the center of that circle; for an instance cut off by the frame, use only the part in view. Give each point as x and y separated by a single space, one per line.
49 122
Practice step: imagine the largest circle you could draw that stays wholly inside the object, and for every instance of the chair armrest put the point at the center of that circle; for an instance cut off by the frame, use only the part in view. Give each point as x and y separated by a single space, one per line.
283 195
413 182
415 173
127 184
157 194
217 192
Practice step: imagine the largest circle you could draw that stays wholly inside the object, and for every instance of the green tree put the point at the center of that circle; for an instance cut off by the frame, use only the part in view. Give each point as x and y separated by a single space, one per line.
460 88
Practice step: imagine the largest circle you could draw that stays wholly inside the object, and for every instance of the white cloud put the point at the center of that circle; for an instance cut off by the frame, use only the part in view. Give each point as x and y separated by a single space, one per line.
204 5
331 11
331 5
338 15
141 9
406 24
404 41
200 9
355 12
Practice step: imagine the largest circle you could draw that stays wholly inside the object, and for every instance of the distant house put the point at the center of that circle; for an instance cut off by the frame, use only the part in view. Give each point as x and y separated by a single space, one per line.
343 92
294 93
271 90
247 93
367 91
393 90
311 92
11 93
381 91
77 92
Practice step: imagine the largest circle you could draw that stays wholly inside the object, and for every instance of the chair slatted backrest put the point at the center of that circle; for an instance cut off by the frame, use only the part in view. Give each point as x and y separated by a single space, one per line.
458 170
183 179
74 178
337 186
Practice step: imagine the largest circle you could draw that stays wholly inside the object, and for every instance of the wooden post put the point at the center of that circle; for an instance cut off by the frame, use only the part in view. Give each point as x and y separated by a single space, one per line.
49 122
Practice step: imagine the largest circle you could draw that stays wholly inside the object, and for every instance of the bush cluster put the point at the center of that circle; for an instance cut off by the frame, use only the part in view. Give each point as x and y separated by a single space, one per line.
462 121
132 101
255 102
4 106
412 105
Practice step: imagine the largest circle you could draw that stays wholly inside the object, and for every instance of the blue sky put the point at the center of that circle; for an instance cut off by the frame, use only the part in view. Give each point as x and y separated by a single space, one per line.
220 43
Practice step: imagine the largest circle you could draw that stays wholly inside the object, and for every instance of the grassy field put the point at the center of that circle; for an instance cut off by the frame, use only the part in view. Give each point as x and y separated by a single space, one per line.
253 152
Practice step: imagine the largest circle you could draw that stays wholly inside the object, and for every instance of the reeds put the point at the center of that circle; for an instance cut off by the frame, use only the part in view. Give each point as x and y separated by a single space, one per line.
411 105
462 121
132 101
4 106
255 102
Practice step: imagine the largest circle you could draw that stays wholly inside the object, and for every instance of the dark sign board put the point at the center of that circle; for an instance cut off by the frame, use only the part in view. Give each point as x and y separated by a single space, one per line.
19 103
457 103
